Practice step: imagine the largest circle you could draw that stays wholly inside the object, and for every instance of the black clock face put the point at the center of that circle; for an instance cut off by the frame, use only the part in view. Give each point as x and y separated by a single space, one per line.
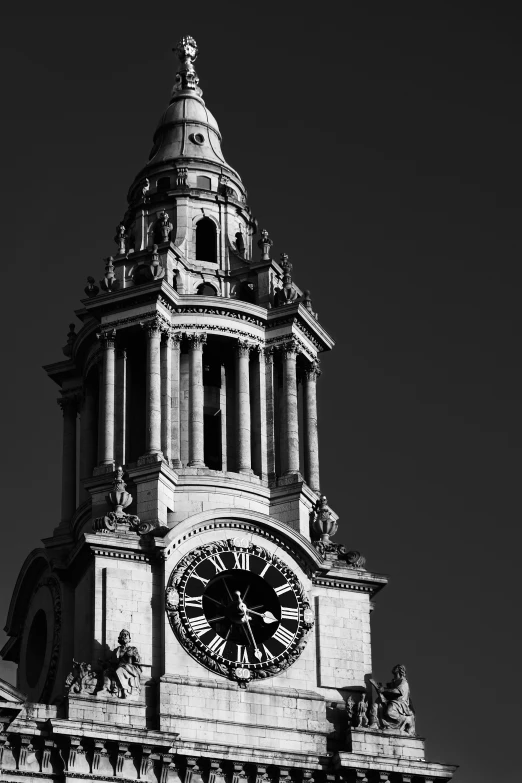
239 607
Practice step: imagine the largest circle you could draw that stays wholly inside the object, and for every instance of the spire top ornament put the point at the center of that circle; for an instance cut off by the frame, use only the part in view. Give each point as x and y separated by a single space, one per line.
186 78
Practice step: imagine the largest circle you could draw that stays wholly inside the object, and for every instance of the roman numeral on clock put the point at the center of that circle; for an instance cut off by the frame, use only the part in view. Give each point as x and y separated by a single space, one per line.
282 589
289 613
242 654
195 575
217 645
283 636
268 654
242 560
196 601
217 563
200 625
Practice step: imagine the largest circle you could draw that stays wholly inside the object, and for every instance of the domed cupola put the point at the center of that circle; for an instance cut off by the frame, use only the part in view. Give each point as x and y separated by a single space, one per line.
187 137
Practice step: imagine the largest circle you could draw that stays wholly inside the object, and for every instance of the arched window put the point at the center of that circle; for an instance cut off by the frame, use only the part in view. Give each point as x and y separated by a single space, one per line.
163 183
247 292
206 240
205 289
203 183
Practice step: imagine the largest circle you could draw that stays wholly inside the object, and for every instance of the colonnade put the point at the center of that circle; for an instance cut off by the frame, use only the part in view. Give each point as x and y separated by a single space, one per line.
255 411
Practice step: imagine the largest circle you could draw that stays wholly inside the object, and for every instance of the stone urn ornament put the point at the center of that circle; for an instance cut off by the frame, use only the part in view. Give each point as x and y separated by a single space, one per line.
118 497
323 525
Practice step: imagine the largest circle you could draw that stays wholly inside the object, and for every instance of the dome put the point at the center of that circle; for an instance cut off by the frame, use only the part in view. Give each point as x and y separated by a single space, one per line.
187 129
187 132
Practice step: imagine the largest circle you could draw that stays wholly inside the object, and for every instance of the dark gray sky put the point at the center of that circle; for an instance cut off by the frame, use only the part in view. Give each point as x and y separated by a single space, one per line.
380 144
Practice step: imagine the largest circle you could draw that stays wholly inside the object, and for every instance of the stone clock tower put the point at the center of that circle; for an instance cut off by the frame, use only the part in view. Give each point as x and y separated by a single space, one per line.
190 619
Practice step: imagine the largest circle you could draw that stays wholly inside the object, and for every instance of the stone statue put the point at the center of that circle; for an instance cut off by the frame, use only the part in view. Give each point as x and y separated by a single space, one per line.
82 679
91 289
397 712
362 720
120 238
374 716
121 676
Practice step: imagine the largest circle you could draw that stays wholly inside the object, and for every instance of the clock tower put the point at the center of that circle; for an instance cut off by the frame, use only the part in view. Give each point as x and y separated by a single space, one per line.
191 618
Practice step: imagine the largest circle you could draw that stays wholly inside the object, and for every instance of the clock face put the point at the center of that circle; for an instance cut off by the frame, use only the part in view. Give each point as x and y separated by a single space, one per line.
238 609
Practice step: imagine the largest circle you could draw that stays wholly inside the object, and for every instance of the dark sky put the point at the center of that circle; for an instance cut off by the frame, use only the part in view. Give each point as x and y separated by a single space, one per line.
380 144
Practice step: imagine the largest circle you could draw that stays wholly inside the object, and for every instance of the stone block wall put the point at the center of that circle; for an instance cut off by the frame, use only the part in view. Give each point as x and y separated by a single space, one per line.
221 713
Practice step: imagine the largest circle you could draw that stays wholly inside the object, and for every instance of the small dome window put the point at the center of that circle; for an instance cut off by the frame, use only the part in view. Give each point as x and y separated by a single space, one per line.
205 289
197 138
206 240
204 183
163 183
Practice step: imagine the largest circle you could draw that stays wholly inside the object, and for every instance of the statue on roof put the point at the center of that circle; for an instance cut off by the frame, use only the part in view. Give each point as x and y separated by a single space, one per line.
397 708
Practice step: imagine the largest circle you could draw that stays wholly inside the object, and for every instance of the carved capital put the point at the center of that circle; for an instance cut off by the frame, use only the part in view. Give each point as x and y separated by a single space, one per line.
197 340
107 339
243 348
154 327
175 340
289 350
70 402
312 372
268 354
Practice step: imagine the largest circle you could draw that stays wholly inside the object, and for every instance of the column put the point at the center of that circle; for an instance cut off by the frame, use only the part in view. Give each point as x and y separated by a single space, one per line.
88 434
290 419
175 443
244 447
166 397
106 451
270 412
196 433
68 405
224 425
311 442
153 390
120 416
259 415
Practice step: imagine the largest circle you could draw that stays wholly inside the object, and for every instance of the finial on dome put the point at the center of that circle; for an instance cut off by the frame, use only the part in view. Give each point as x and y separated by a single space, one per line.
186 78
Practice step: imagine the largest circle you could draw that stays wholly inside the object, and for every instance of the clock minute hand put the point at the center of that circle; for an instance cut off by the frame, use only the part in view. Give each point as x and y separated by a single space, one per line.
246 625
267 616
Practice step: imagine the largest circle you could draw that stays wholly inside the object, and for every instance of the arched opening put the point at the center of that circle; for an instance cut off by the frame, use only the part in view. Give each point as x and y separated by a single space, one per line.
205 289
206 240
247 292
163 183
203 183
36 646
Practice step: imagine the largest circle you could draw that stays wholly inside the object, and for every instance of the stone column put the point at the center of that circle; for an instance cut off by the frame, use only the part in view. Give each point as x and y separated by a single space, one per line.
259 413
291 417
196 398
270 413
244 457
175 447
69 406
106 450
120 439
311 443
166 397
153 391
88 433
